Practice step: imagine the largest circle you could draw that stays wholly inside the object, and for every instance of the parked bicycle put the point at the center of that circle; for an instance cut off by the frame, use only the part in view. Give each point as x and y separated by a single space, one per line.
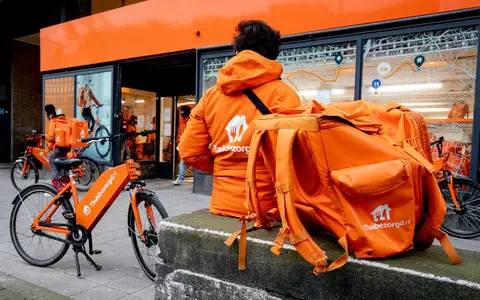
25 172
40 212
462 197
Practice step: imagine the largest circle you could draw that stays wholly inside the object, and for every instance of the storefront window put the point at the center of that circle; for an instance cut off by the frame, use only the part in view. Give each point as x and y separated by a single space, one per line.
166 143
139 113
323 73
94 104
434 74
211 67
59 92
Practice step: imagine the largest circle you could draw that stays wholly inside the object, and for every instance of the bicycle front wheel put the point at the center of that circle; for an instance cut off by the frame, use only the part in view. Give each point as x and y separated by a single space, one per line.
102 149
151 212
24 173
463 223
35 249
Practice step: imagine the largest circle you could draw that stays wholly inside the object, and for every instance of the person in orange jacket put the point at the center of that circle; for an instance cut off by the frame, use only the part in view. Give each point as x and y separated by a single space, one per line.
217 138
53 150
182 125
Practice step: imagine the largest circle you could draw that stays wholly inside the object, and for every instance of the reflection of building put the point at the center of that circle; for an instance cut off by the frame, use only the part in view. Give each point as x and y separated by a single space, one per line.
424 58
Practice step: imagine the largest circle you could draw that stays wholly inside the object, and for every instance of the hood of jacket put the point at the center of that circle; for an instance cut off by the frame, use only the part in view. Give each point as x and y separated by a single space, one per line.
247 69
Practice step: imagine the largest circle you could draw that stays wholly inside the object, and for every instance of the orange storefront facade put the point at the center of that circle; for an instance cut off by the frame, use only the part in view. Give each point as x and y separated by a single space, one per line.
149 58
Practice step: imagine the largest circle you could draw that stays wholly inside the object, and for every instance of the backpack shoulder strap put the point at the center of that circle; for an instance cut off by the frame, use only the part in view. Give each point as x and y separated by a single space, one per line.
256 101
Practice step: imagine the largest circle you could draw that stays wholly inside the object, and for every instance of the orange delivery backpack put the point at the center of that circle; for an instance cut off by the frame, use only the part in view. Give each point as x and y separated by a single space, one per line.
398 122
338 172
69 132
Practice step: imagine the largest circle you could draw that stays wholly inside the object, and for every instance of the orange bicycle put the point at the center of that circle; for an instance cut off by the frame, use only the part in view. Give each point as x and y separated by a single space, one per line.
462 197
41 212
24 170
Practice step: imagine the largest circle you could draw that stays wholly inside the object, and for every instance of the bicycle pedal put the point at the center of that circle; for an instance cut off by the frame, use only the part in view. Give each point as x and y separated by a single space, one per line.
96 252
68 215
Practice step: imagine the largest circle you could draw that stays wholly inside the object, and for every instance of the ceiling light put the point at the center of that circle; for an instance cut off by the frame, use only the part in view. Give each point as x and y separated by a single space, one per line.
407 104
337 91
431 109
140 101
398 88
123 101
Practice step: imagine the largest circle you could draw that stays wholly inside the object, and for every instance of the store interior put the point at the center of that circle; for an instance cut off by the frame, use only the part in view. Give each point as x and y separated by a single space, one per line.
153 90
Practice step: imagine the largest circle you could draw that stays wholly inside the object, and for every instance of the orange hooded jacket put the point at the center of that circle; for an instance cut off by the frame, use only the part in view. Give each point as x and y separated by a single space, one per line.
218 134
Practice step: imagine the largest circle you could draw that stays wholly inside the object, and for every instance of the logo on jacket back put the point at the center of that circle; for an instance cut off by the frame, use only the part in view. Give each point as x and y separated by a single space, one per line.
382 213
235 130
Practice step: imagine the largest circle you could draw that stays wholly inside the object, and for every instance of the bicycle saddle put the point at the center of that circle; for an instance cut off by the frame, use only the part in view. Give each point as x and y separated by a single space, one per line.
67 163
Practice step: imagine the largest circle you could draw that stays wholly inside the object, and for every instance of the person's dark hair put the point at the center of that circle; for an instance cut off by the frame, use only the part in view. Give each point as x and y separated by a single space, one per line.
185 109
50 109
133 118
257 36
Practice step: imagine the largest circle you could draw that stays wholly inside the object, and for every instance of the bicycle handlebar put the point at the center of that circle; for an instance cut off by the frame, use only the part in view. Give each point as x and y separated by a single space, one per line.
118 135
437 142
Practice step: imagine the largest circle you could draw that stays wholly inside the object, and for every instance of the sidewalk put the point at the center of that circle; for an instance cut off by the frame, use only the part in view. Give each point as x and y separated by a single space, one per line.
12 288
121 276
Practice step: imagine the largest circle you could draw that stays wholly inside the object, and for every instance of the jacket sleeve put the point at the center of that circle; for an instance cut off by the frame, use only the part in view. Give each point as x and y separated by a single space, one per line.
195 140
50 136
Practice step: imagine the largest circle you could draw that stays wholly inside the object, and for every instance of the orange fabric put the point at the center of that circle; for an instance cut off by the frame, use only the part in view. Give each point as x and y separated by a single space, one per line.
50 136
182 125
340 172
398 122
219 131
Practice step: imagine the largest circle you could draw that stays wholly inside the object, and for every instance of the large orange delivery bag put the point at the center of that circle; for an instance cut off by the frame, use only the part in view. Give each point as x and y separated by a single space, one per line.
338 172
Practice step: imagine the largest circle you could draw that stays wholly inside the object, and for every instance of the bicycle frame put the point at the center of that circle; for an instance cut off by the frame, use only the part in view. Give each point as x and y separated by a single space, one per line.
39 153
441 165
90 210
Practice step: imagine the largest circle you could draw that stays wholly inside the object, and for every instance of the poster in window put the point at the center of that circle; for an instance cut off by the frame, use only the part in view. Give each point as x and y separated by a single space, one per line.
94 104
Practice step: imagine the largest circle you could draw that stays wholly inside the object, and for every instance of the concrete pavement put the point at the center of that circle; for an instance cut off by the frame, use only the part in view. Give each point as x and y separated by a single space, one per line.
121 276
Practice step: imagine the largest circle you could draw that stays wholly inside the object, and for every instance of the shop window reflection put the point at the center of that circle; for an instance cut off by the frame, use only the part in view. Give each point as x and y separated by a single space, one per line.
433 73
138 113
325 73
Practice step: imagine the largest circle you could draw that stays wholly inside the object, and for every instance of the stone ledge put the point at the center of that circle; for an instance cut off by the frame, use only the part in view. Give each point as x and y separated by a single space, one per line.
194 242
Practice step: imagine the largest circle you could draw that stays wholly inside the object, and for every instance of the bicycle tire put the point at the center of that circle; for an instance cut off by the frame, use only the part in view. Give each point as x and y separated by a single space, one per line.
100 129
66 205
467 212
20 162
85 187
143 196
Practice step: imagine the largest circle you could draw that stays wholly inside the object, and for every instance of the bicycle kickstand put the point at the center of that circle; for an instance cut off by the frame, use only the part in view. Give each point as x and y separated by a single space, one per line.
81 249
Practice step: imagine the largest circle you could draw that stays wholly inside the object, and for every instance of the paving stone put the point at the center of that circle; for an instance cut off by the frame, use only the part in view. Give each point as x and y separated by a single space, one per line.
101 292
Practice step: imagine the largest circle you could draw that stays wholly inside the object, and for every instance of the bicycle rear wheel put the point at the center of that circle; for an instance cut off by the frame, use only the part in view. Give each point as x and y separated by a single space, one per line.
35 249
91 172
23 178
463 223
102 149
146 251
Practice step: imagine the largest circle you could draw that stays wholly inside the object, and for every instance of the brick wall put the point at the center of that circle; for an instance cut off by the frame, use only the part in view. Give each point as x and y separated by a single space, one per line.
27 109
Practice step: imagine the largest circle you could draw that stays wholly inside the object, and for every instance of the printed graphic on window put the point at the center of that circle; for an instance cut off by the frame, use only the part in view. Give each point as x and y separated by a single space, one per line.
94 104
324 73
59 92
211 67
433 73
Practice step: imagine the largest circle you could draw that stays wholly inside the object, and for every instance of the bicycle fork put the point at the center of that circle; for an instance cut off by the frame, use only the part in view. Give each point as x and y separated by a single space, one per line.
449 179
